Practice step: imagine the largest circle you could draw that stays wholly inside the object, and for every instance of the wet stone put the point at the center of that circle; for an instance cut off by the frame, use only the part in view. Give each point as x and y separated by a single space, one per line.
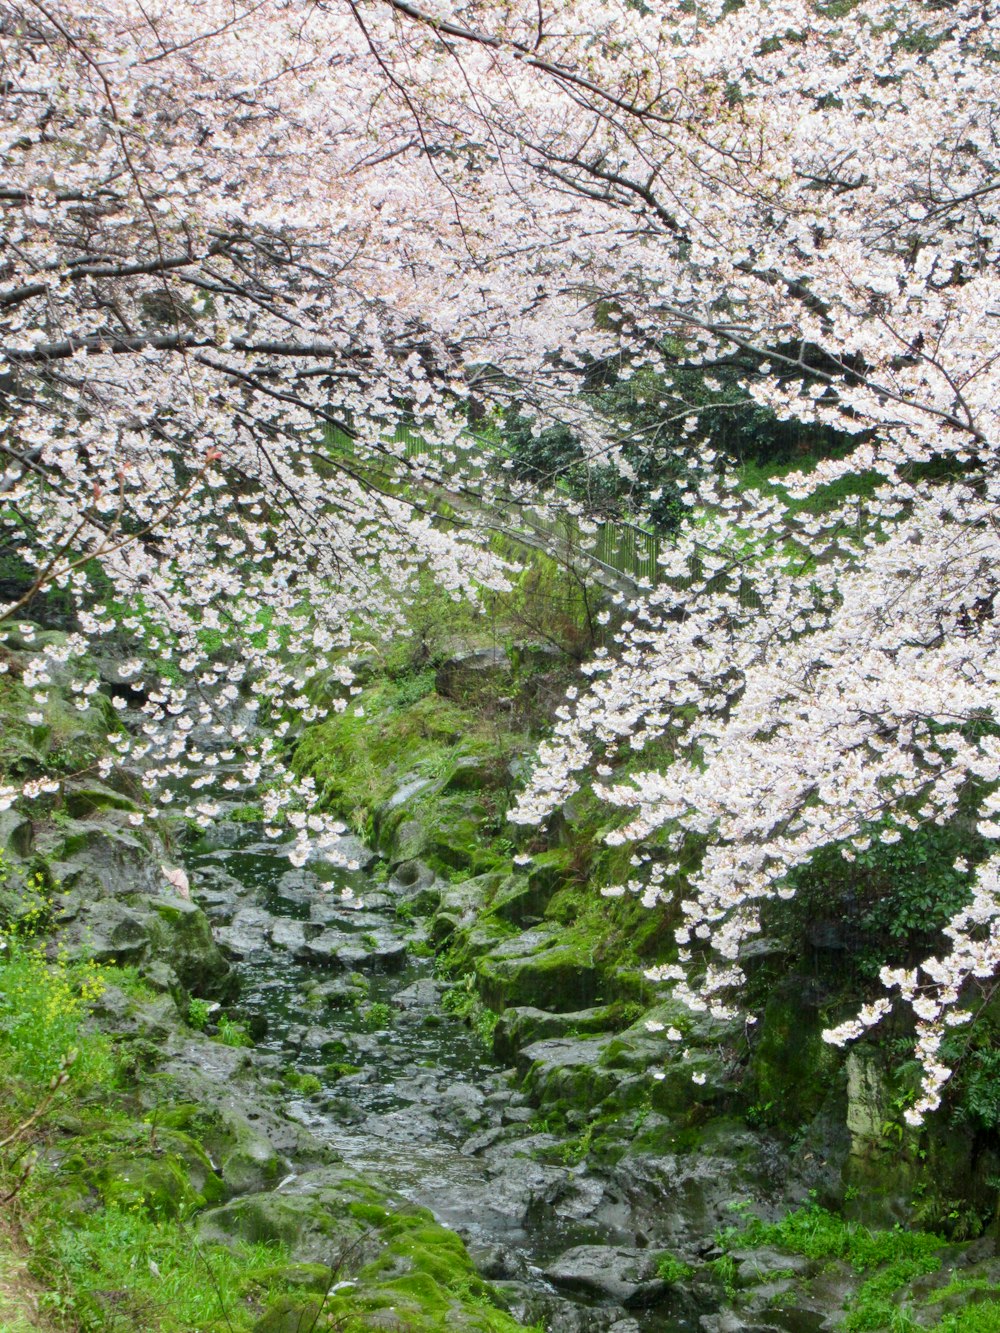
422 994
624 1275
298 886
287 934
247 933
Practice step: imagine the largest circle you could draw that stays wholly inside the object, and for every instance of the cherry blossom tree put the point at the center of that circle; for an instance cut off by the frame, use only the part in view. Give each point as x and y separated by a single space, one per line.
244 242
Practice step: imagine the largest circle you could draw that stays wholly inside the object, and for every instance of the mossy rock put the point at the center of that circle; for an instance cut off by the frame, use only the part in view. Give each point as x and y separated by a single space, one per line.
468 897
544 969
698 1082
315 1220
17 834
181 935
520 1027
247 1160
164 1171
408 840
520 902
422 1280
567 1071
550 870
791 1067
290 1314
306 1277
86 802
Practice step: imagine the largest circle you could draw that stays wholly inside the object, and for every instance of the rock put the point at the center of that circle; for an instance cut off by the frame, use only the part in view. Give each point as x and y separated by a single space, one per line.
566 1069
99 859
290 1314
474 773
310 1217
346 851
112 933
339 994
464 1103
348 915
182 938
323 948
868 1101
623 1275
468 897
415 883
211 1091
478 1143
410 788
351 953
288 934
519 1026
756 1266
16 832
517 1115
498 1262
419 995
86 802
298 886
409 840
467 672
247 933
539 967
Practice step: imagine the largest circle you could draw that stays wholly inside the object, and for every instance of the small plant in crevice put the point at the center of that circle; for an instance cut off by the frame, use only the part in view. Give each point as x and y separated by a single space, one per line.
671 1270
198 1013
463 1001
231 1033
378 1016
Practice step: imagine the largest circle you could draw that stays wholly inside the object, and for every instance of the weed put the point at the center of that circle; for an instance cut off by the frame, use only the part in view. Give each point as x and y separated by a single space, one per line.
671 1269
232 1034
42 1007
198 1014
378 1016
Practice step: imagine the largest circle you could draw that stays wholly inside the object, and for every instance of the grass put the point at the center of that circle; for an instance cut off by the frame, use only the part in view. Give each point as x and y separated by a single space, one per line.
113 1267
818 1234
123 1270
981 1318
20 1295
671 1269
892 1258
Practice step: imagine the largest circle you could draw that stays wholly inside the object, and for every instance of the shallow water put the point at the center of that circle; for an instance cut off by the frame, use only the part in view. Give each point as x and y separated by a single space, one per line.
429 1112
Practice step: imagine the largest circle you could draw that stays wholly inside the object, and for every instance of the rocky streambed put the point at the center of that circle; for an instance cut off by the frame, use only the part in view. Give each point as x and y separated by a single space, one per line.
341 991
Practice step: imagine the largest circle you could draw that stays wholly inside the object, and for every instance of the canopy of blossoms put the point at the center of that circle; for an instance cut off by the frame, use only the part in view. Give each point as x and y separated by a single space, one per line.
236 235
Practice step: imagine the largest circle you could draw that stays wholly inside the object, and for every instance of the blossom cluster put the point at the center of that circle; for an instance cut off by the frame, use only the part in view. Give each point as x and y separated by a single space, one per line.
251 249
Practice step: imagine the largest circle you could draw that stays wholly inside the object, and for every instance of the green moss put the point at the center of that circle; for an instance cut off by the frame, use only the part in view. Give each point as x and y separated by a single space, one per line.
424 1274
792 1066
671 1269
564 975
361 756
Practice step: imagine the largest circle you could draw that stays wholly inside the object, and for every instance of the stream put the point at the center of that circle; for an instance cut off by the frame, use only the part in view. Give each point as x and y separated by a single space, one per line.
343 992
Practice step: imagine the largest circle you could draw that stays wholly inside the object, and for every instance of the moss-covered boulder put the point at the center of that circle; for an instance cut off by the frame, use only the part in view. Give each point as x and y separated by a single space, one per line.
567 1071
86 802
180 934
315 1219
246 1160
164 1171
518 1027
546 968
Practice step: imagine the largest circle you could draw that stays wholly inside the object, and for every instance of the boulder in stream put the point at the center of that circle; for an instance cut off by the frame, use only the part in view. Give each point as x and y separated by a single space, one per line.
620 1274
